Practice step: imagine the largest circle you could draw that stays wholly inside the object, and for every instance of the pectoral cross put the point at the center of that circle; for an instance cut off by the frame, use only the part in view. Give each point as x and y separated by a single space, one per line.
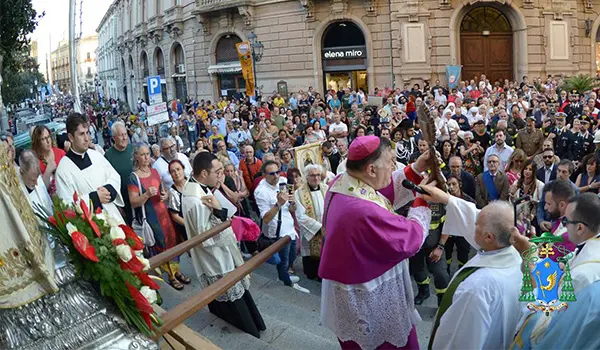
546 250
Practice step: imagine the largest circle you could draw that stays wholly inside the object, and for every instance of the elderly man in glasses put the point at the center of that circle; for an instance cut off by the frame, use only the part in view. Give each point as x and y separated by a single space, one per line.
168 153
492 184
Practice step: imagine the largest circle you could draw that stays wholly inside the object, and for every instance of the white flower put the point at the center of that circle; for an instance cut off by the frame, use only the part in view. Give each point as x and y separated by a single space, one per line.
124 252
78 208
149 294
71 228
145 262
102 216
112 222
116 233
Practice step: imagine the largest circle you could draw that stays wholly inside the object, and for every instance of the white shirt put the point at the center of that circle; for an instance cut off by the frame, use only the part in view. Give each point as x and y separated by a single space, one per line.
504 155
39 196
266 197
162 167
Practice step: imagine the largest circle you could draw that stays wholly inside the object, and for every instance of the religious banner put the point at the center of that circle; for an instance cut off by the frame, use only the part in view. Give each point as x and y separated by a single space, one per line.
245 56
308 154
453 75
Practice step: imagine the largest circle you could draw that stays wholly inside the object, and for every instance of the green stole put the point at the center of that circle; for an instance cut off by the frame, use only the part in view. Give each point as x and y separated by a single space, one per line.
447 299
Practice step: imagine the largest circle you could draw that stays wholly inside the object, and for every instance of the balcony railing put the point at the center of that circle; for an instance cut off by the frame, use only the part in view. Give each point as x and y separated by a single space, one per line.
203 6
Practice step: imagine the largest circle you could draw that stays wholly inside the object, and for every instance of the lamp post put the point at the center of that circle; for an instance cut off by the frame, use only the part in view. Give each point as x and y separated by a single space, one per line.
257 53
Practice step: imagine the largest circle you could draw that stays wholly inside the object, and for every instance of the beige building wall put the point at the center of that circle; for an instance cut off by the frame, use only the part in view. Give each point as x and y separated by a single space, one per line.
407 41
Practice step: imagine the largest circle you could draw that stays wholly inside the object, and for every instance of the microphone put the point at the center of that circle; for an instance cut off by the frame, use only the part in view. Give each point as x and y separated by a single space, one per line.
409 185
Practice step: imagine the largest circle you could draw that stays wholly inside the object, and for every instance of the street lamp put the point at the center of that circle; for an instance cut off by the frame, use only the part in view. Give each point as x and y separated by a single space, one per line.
257 53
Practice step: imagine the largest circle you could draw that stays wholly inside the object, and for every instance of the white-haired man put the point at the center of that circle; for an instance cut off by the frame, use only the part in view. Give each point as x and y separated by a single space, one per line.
120 156
310 201
168 153
33 184
481 308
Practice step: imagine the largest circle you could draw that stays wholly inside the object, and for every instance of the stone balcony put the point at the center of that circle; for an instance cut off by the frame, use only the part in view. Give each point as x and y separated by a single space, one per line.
173 15
155 23
205 6
140 30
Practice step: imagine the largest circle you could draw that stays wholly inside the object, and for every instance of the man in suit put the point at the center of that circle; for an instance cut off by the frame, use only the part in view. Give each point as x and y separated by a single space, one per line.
548 172
491 184
467 180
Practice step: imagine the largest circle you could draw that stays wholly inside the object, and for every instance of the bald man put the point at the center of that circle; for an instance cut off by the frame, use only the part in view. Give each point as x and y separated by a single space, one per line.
481 308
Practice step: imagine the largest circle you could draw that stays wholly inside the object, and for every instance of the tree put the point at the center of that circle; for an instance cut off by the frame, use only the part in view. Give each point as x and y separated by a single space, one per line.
18 19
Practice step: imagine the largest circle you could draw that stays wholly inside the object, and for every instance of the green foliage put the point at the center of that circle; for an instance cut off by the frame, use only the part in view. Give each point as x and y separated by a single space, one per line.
580 82
17 84
18 19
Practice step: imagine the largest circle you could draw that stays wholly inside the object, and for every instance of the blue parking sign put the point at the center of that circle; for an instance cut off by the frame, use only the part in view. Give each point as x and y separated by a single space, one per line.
154 90
154 86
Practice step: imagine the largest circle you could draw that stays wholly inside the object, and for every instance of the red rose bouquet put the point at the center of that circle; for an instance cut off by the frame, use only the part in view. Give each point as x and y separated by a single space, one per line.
110 255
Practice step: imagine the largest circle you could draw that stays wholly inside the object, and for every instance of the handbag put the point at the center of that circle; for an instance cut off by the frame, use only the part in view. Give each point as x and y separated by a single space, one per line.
143 228
263 242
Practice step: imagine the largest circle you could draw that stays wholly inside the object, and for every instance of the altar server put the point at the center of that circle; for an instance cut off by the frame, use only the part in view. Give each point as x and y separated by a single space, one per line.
87 172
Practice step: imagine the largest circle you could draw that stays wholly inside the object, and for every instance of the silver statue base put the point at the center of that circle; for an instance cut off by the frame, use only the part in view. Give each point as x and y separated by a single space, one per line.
76 317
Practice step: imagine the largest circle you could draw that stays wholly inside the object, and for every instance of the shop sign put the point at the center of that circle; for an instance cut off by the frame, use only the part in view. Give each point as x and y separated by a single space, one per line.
341 53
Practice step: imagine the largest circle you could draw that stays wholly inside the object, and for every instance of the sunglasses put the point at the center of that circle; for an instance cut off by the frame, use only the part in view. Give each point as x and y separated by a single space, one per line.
273 173
548 157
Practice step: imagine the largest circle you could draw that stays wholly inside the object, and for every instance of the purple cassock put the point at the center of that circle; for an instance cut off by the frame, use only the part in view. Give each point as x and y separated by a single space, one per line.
367 297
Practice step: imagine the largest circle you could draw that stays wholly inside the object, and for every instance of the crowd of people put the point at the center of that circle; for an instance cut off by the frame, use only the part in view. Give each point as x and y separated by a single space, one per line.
526 143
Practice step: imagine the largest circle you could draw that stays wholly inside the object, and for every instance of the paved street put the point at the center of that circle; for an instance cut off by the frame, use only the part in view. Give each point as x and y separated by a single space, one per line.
292 318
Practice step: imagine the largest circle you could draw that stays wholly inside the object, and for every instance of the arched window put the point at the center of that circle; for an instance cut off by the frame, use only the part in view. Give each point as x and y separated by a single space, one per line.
485 18
341 34
144 64
226 51
159 62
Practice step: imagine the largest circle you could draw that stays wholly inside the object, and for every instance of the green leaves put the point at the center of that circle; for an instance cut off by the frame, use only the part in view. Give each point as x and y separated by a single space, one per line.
580 82
18 19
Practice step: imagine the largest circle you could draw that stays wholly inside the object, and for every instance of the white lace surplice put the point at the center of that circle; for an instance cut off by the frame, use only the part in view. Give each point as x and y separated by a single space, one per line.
371 313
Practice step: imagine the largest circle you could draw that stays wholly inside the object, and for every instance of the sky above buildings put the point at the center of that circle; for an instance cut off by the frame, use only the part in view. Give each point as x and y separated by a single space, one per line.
54 26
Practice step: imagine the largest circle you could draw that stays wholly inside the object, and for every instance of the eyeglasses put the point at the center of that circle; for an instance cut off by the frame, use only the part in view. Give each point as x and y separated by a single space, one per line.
173 146
493 161
564 221
548 157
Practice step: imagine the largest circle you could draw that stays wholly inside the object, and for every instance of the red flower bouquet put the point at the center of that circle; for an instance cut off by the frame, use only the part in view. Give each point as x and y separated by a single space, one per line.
109 254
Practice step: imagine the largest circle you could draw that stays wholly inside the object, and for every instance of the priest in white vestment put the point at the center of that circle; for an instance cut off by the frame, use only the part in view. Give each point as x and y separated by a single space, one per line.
310 202
481 307
219 255
87 172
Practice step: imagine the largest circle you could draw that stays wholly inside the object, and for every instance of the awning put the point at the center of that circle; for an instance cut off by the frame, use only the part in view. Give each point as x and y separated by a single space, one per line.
227 67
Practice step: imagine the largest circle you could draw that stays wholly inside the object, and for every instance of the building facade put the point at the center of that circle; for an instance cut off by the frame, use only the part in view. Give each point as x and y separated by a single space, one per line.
107 64
86 62
339 43
60 71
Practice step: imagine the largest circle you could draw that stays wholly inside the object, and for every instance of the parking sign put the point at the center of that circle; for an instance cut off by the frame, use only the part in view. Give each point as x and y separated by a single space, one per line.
154 90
